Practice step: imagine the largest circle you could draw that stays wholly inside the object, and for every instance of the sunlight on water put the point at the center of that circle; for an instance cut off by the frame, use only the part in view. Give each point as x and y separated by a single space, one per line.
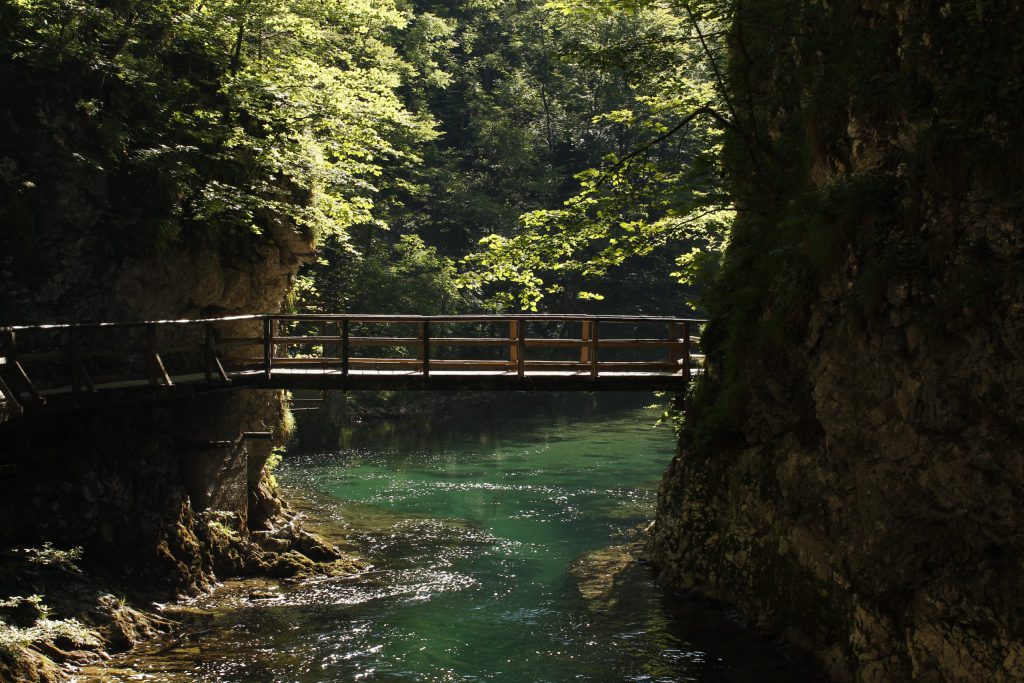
490 544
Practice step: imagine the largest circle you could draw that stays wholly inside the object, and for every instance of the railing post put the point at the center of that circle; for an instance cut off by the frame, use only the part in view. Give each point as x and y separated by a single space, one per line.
268 346
513 344
686 351
594 341
673 350
208 352
157 371
79 375
344 347
585 346
425 347
13 404
10 355
521 348
72 351
150 352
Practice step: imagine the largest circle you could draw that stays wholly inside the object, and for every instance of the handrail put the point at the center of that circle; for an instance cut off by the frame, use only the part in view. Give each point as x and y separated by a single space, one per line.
355 317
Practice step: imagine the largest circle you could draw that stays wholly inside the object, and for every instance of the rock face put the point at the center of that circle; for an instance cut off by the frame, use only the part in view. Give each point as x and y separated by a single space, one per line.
851 471
132 486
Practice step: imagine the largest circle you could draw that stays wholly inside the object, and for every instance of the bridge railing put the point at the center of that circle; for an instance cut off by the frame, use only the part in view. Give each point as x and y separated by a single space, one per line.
501 343
44 360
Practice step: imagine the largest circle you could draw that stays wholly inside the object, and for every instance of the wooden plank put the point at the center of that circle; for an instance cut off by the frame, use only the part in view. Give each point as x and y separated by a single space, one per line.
384 318
414 365
42 355
385 341
232 342
135 324
595 337
415 341
310 339
499 381
368 318
554 343
469 341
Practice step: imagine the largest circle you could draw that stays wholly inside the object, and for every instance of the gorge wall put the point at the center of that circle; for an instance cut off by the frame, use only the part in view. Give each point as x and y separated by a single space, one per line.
850 472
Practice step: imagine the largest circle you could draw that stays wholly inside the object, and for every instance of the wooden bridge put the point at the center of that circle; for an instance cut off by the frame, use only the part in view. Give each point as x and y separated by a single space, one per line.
70 366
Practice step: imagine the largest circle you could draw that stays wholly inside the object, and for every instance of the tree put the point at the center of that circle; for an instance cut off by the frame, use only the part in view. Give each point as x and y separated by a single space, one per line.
659 185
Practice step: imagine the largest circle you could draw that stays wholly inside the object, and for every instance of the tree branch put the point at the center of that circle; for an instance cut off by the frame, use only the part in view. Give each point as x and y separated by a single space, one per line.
685 121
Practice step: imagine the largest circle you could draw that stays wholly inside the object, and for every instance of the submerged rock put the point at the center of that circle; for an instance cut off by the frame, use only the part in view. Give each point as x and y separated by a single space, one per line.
597 571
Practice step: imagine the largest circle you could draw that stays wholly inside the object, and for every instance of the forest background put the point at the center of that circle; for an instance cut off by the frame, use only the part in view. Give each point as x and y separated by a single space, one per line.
446 157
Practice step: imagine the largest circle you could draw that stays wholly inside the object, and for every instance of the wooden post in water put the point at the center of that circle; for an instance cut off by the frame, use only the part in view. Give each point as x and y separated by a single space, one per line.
594 340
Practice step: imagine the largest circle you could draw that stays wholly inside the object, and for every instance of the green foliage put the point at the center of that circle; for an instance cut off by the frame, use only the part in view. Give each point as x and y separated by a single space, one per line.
49 556
14 638
406 276
274 460
33 625
654 176
217 118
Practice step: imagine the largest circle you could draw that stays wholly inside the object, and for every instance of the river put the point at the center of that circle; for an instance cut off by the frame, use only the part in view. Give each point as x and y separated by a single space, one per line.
497 542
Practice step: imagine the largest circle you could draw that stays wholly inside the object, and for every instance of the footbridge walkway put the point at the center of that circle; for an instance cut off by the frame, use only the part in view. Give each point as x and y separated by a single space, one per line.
69 366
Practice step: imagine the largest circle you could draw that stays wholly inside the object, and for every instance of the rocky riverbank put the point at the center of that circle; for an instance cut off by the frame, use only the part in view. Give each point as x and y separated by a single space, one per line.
59 617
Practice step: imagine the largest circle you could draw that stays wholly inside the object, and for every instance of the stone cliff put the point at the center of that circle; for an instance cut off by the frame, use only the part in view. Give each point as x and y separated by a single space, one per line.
850 471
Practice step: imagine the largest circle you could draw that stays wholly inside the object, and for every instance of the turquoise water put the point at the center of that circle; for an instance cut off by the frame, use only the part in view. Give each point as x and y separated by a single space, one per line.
480 528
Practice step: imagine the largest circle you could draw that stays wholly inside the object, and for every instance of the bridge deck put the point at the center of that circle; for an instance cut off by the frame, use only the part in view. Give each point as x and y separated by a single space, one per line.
69 366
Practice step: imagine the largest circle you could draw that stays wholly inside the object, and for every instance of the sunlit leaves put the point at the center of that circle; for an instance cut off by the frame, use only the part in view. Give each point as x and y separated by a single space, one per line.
660 184
248 113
